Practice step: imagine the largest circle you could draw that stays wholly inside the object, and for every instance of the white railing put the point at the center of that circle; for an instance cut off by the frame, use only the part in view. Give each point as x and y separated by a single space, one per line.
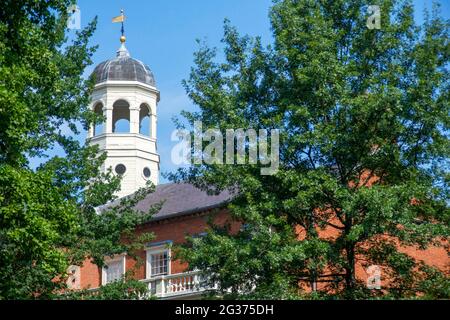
173 285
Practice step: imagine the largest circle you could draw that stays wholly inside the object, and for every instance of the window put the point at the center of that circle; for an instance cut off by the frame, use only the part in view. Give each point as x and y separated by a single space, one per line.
158 261
120 169
146 172
113 270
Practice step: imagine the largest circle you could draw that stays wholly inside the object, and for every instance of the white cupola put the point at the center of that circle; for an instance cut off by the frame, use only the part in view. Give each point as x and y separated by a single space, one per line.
125 93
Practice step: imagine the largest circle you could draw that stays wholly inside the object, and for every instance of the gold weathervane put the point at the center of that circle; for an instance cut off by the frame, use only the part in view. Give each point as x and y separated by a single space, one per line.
120 18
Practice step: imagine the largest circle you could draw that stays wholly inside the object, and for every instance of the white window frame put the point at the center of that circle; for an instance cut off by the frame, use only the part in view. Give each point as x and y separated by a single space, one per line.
108 260
157 250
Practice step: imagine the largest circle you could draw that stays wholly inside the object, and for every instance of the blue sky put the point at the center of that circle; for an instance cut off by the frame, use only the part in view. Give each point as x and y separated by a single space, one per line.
162 34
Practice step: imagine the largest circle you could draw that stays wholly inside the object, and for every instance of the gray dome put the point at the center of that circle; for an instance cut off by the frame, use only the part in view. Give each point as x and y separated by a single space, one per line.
123 68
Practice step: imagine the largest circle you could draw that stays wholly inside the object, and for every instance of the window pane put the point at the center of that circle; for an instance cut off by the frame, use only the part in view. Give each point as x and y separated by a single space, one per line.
114 271
159 263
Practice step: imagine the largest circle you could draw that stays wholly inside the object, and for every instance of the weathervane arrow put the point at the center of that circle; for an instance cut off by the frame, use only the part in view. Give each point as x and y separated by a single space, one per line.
121 19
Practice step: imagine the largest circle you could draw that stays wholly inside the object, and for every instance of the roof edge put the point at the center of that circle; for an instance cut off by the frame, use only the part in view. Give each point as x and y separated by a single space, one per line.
187 212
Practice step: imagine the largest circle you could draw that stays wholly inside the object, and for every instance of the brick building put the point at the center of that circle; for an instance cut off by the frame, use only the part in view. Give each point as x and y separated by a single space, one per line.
125 92
185 211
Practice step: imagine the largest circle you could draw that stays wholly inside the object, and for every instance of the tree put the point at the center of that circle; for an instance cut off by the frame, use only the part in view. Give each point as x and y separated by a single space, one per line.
363 116
48 217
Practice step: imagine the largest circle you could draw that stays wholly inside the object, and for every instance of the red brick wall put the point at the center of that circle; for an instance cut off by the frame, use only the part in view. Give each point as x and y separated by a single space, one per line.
175 229
90 275
433 255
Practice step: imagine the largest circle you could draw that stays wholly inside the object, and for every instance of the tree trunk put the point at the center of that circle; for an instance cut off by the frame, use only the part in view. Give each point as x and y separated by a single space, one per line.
350 279
311 234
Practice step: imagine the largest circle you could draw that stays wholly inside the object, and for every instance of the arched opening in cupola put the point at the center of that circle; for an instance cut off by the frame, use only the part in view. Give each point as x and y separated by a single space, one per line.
121 117
99 126
144 119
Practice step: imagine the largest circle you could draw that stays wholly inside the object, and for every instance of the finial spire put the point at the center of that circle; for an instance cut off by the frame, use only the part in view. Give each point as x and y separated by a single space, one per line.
121 19
122 52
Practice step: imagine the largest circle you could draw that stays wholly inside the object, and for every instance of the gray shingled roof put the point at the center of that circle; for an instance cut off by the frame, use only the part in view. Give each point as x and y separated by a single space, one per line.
123 68
179 199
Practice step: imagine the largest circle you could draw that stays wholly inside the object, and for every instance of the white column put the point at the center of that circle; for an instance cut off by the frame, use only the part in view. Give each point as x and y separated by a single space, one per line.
92 126
134 119
91 131
153 126
108 113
